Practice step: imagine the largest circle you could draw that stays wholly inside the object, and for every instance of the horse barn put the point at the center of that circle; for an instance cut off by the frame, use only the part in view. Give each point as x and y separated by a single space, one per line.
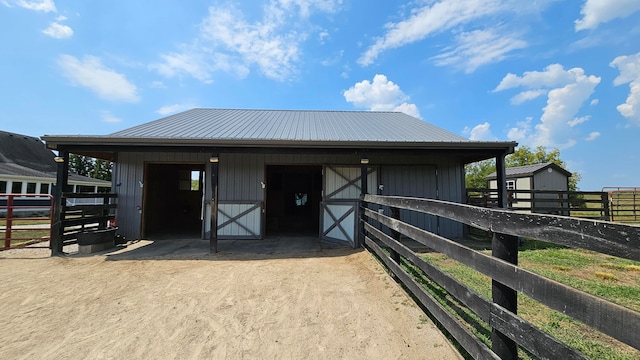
257 174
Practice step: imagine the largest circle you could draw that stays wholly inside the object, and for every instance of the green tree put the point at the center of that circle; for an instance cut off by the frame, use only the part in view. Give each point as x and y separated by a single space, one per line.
87 166
81 165
101 170
476 173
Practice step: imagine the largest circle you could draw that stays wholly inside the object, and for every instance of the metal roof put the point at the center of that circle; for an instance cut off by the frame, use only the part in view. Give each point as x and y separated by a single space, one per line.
291 129
528 170
291 125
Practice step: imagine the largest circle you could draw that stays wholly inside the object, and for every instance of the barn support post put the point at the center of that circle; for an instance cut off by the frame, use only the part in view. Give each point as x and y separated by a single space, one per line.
504 247
62 177
364 173
213 234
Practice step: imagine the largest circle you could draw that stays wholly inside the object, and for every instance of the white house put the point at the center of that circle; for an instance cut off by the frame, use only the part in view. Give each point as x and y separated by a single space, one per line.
28 167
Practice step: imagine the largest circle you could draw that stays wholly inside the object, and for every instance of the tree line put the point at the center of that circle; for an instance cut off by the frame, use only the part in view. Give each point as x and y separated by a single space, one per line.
90 167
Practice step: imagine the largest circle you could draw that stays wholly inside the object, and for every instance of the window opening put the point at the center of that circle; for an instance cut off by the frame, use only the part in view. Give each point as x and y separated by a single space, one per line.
16 187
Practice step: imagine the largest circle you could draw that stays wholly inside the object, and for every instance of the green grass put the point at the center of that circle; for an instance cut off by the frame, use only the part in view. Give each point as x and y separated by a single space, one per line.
577 268
25 236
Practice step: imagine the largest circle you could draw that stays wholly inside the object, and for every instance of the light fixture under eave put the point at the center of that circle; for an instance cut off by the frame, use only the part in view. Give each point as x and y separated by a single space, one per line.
214 159
58 159
364 160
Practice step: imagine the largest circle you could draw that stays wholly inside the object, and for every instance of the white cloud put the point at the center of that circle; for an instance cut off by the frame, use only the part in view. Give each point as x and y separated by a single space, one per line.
596 12
306 6
58 31
567 91
42 5
333 60
93 75
481 132
527 95
108 117
629 67
480 47
592 136
380 95
578 121
594 102
429 18
521 130
409 109
174 108
228 42
553 75
188 63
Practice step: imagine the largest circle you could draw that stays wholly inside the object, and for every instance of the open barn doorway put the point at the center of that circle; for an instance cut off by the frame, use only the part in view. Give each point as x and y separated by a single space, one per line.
293 195
172 201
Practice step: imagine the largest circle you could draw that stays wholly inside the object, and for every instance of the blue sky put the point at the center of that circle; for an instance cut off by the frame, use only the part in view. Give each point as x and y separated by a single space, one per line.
561 74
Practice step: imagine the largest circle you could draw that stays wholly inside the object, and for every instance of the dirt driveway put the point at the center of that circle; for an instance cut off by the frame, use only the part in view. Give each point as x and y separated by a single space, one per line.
338 304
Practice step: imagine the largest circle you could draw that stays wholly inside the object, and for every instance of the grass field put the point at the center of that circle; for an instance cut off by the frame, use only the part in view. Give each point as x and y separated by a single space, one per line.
614 279
22 237
624 207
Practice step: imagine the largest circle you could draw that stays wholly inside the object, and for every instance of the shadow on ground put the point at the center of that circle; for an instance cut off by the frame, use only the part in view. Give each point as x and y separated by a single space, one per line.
194 249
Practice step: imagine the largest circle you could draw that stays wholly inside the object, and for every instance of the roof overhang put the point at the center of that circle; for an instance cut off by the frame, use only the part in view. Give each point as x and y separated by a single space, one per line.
107 147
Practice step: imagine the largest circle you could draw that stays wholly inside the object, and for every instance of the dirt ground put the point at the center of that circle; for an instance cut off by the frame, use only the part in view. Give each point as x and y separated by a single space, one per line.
339 304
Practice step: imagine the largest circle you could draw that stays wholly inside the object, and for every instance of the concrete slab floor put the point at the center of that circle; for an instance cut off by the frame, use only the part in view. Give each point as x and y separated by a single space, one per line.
286 246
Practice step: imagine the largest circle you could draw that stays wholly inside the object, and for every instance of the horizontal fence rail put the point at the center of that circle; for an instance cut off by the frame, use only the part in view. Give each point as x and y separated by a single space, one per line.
612 319
624 204
583 204
25 220
83 212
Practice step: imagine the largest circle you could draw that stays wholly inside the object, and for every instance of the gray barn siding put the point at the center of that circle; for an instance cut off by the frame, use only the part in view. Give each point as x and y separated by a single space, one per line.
451 187
414 181
241 174
130 171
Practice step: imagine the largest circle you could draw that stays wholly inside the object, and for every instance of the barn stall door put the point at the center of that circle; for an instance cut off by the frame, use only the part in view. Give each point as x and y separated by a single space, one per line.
341 195
239 220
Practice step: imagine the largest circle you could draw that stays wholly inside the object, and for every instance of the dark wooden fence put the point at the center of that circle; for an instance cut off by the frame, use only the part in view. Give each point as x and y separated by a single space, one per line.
76 215
381 234
583 204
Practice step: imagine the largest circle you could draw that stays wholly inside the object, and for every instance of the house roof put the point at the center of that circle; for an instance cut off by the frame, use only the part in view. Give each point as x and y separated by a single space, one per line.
529 170
22 151
284 128
27 156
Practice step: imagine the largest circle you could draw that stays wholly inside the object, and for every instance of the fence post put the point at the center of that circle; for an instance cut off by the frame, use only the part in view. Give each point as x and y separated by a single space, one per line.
604 197
8 225
61 183
504 247
395 213
364 174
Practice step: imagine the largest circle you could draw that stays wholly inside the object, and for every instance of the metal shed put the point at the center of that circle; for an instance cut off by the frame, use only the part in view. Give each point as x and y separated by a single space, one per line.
251 174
